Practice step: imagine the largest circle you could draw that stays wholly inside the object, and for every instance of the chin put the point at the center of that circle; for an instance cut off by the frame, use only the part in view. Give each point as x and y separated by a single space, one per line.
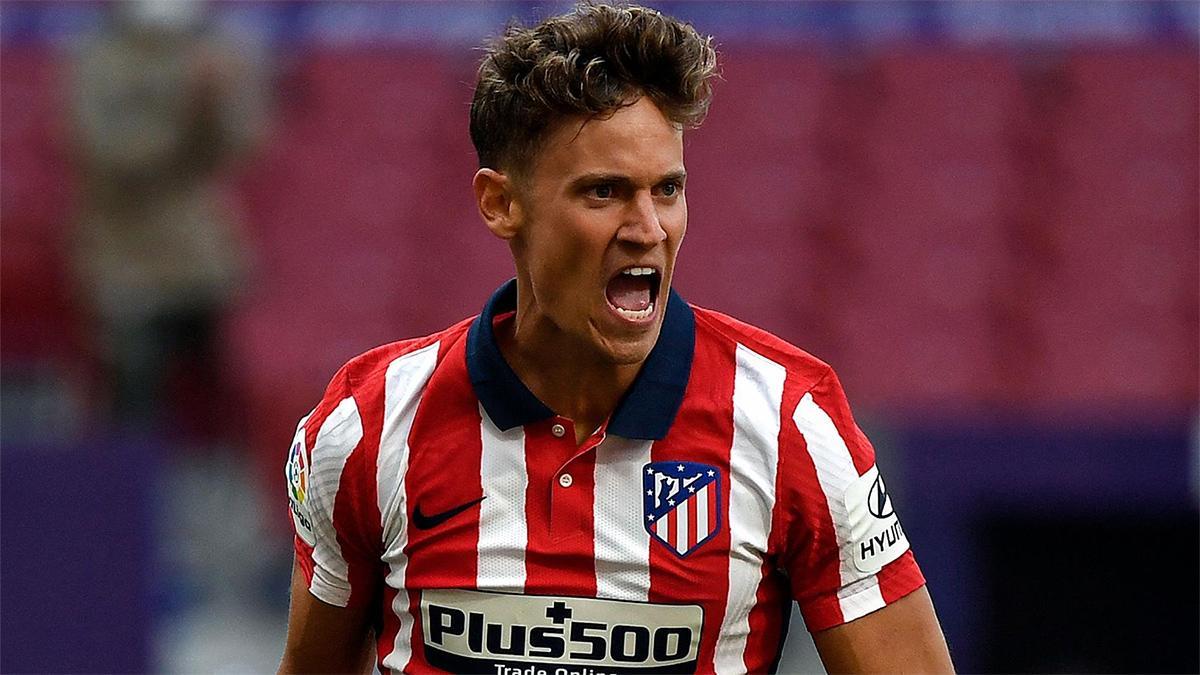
630 358
631 352
623 345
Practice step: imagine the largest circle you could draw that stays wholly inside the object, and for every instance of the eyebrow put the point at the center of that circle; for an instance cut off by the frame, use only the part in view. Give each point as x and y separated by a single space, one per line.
621 179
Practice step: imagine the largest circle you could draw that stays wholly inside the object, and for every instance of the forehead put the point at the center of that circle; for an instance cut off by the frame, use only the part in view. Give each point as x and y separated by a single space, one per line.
637 140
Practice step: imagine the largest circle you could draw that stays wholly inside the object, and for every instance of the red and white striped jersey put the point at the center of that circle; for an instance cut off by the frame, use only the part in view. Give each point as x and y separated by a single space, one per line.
432 486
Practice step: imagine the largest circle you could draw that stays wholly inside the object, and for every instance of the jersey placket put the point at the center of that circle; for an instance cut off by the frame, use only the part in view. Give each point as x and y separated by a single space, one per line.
560 553
571 491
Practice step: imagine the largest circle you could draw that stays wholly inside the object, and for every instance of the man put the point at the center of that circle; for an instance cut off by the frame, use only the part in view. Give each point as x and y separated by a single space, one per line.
162 103
593 476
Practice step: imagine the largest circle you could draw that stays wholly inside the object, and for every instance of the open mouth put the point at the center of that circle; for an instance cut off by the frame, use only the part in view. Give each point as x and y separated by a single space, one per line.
633 292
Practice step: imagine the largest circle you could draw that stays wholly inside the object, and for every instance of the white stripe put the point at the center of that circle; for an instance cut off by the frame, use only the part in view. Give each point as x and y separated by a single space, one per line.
622 549
404 384
337 438
681 532
754 455
702 513
502 530
859 594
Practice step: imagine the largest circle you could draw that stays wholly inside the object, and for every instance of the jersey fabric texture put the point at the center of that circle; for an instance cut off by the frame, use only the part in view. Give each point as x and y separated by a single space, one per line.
432 486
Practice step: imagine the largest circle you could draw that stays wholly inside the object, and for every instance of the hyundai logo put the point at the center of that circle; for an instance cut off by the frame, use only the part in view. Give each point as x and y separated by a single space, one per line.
878 501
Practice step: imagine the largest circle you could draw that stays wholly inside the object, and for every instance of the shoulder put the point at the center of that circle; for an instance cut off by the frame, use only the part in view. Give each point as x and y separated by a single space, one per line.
802 368
364 378
353 405
371 367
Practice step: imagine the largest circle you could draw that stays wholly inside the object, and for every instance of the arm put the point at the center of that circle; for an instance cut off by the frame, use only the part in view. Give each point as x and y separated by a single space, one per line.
853 574
333 585
903 637
324 638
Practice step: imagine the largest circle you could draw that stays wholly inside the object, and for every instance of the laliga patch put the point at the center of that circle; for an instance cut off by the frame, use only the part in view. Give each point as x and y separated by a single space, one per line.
296 473
682 504
875 533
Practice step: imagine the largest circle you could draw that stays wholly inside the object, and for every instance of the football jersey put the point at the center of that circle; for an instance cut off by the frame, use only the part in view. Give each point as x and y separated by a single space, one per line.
433 487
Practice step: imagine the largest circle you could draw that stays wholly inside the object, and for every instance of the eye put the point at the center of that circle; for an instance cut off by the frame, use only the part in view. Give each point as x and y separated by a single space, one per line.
603 191
670 188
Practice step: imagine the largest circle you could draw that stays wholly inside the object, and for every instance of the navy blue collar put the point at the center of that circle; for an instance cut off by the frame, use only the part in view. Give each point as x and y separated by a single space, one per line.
645 412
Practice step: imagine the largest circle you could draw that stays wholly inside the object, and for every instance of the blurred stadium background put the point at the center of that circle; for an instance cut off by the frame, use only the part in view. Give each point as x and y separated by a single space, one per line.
984 214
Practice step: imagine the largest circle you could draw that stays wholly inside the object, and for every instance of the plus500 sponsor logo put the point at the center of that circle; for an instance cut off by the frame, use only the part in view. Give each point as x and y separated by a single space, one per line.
492 632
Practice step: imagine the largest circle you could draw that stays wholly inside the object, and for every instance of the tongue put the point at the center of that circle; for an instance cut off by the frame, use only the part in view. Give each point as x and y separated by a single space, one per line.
629 293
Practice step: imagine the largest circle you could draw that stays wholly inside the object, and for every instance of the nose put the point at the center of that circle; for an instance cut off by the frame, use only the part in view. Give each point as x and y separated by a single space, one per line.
642 226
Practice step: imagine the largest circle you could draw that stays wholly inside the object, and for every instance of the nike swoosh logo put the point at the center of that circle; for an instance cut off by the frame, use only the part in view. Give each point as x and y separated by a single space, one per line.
426 522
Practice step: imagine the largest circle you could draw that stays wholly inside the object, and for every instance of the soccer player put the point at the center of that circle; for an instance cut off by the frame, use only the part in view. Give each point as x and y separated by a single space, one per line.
593 476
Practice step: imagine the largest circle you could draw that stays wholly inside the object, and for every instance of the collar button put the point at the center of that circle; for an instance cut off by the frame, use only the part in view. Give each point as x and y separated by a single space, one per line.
558 430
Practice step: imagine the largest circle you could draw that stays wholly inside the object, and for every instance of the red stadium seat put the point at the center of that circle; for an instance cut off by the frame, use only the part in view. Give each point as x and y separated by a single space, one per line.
939 104
1129 103
40 317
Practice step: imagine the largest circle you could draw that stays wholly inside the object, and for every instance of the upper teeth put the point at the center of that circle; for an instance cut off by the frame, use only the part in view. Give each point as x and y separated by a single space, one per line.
638 271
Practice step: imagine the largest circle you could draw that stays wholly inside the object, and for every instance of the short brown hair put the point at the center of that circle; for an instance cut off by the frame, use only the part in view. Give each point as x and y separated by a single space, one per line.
591 61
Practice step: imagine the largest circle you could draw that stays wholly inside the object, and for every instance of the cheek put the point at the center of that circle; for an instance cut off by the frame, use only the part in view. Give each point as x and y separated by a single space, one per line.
584 237
676 226
566 252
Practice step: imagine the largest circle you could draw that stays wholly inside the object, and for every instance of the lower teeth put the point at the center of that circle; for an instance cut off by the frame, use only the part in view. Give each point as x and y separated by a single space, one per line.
637 314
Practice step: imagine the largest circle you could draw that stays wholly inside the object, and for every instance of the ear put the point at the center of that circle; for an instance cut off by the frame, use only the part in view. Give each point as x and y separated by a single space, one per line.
495 196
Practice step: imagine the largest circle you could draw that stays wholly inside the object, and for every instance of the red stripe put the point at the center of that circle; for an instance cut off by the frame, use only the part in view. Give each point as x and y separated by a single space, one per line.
358 499
900 577
802 529
443 556
693 534
772 608
828 394
672 526
417 663
347 534
560 554
771 612
391 623
702 432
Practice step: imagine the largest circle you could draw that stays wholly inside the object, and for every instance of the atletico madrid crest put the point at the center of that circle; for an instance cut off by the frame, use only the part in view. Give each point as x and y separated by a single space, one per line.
682 504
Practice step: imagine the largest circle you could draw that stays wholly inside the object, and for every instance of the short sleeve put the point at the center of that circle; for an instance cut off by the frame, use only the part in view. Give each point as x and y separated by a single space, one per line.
314 472
845 552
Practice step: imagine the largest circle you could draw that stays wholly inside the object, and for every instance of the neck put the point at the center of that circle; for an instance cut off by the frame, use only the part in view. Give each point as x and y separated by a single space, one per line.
569 377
